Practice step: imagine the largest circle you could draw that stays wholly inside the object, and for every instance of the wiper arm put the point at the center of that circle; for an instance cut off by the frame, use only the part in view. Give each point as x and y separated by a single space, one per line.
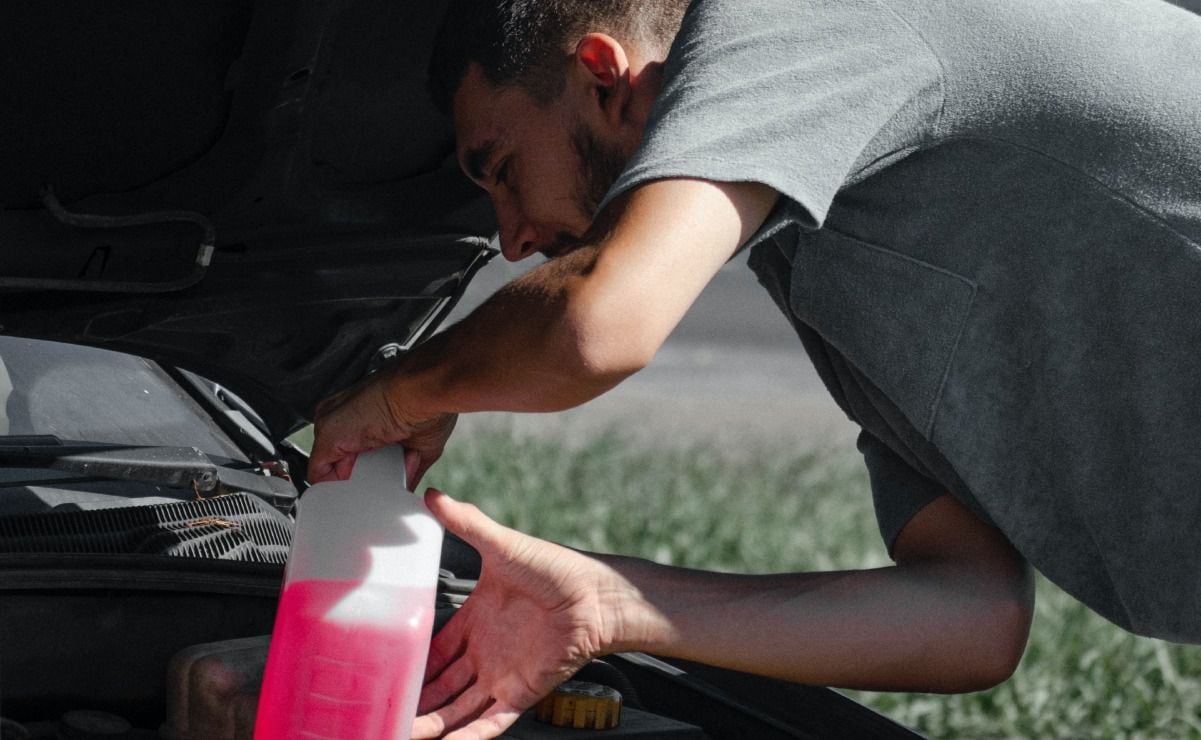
173 467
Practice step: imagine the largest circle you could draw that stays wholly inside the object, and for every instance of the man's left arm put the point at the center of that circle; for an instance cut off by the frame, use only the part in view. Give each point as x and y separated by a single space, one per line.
561 335
952 615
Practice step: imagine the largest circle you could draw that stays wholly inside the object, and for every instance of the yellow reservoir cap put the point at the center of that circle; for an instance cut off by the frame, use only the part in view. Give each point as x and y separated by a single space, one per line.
581 705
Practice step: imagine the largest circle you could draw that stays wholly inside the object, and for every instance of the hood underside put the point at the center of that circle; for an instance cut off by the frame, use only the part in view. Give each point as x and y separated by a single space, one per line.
259 192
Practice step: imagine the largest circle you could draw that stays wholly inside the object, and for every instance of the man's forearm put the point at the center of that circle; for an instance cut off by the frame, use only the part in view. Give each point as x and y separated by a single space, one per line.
932 626
578 325
522 350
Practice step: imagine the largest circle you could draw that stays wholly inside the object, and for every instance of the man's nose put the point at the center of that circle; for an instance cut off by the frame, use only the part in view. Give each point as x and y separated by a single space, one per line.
518 237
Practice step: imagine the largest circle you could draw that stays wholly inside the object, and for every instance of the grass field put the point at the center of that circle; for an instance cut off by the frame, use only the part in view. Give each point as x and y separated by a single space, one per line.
781 510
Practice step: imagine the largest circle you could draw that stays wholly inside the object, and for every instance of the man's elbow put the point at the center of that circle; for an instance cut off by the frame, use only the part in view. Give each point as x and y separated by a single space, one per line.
995 646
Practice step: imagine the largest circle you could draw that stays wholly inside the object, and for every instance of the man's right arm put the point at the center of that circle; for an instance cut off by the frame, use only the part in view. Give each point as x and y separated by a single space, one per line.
563 334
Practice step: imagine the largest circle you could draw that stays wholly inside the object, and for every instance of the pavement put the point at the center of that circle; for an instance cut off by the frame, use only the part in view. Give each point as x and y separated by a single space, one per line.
733 374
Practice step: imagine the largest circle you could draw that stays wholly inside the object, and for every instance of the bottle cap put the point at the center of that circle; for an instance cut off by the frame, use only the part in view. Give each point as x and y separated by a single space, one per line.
584 706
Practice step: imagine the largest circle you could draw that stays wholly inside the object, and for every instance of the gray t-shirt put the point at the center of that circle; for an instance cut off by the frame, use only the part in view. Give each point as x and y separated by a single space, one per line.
990 245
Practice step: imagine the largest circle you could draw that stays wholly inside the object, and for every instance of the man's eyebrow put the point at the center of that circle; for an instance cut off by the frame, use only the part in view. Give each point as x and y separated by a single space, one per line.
476 160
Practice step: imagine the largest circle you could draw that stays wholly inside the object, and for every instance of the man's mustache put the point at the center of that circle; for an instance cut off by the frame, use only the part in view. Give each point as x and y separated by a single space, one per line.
563 243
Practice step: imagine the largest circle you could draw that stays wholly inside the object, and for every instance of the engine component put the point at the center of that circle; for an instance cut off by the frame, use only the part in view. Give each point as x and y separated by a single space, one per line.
581 705
77 724
89 725
213 690
10 730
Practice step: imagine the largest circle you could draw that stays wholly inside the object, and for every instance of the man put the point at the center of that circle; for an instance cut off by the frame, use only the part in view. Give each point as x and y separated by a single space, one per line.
983 219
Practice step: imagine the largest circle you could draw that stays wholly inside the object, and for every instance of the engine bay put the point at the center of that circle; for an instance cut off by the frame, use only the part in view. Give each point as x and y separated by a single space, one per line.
98 647
153 621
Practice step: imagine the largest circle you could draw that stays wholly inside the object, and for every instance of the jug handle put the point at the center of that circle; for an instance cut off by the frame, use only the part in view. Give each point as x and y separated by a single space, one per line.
382 467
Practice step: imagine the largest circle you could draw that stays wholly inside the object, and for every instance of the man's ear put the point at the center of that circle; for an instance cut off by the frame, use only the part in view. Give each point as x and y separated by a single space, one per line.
605 68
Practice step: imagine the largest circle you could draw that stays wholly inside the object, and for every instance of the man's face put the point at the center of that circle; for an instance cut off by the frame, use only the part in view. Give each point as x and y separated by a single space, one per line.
544 168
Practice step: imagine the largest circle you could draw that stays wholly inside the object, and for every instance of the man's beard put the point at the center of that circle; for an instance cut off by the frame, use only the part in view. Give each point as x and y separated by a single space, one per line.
600 164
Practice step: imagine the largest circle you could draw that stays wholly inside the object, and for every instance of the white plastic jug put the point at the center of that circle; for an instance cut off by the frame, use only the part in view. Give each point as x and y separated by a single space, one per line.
354 622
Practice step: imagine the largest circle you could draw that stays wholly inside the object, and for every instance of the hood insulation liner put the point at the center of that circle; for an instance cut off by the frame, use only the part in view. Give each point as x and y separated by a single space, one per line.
235 527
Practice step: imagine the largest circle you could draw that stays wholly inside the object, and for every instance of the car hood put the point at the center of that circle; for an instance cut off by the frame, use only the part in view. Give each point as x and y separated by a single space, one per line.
259 192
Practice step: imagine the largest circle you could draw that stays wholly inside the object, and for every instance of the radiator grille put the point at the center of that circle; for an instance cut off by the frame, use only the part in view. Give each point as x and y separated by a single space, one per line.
234 527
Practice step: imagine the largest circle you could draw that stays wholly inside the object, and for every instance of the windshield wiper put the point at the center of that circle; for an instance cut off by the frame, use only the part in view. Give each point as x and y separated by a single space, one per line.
172 467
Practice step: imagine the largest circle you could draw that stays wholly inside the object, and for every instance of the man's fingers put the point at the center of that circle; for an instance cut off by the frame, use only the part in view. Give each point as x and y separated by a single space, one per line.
321 466
446 646
413 468
343 466
327 460
449 684
319 471
423 466
468 705
465 520
498 718
425 727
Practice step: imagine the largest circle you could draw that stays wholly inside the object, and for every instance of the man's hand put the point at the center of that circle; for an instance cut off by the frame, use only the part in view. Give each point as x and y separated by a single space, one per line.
535 618
371 415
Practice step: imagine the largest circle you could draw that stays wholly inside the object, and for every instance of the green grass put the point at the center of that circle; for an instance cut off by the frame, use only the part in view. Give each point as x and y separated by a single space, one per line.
785 510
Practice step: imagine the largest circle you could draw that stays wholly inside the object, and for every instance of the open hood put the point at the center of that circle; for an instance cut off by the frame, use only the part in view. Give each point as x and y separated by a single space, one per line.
259 192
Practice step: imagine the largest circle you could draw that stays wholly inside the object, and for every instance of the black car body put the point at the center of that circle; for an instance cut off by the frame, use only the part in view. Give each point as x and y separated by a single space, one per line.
252 202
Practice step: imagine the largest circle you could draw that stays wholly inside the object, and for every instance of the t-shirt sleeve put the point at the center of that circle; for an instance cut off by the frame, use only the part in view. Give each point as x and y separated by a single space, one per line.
898 491
802 95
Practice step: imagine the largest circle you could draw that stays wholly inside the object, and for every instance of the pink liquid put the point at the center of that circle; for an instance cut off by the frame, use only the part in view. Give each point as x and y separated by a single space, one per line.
350 682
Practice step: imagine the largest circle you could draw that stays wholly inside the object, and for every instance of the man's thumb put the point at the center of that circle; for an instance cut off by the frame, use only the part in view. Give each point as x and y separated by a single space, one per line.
464 520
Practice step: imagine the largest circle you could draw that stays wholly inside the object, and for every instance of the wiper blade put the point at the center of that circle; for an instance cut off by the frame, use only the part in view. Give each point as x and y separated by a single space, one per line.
172 467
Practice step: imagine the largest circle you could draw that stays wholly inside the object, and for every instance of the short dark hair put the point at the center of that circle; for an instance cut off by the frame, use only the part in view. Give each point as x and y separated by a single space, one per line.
527 42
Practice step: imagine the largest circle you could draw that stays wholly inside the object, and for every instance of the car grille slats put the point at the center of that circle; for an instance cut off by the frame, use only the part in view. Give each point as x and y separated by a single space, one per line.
233 527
